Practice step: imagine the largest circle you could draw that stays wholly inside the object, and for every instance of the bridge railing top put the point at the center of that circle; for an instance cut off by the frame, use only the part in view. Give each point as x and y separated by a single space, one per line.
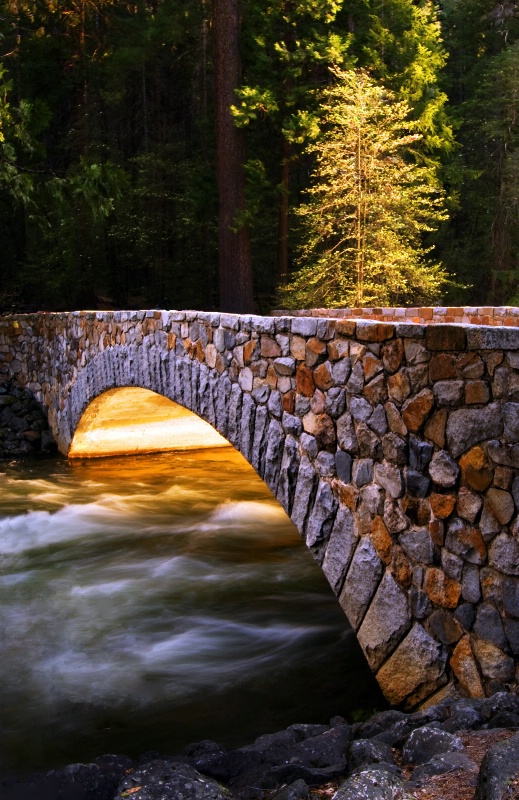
464 315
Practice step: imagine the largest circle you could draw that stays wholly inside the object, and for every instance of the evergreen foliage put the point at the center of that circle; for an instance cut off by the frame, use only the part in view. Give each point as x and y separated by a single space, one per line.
370 203
108 192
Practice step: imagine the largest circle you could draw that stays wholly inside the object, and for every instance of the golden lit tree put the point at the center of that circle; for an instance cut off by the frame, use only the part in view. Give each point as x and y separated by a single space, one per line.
370 205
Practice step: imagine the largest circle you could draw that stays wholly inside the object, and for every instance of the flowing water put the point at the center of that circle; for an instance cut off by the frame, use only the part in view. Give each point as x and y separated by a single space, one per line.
147 602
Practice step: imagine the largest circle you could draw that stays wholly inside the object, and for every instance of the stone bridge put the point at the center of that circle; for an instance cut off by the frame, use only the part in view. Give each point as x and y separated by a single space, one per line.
392 445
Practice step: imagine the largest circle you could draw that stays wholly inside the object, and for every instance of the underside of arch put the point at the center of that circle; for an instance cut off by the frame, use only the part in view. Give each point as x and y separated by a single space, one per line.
130 420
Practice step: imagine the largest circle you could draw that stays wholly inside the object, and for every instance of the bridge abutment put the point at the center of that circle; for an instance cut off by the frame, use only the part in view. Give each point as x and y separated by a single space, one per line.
393 446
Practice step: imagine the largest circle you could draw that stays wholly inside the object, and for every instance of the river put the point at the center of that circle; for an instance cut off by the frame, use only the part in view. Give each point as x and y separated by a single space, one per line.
150 601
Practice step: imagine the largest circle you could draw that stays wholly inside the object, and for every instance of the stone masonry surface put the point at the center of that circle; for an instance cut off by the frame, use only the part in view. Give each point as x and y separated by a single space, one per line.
393 446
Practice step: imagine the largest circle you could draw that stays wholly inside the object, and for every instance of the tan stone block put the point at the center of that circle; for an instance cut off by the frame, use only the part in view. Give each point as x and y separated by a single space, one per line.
321 426
394 420
288 401
369 332
493 662
272 377
492 359
437 531
323 376
470 366
318 402
304 381
315 352
251 350
345 326
371 366
269 348
414 670
376 391
464 666
443 591
476 392
399 386
503 477
381 539
416 410
338 348
298 348
347 494
468 504
501 505
475 470
442 505
442 367
401 567
392 355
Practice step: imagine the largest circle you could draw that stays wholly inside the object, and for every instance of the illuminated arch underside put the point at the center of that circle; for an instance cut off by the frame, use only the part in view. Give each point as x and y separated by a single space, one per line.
131 420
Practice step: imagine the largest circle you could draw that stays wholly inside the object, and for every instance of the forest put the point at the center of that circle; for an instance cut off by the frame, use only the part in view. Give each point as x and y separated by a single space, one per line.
254 154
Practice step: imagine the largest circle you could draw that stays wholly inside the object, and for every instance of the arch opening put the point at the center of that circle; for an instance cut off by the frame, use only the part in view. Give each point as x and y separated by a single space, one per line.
130 420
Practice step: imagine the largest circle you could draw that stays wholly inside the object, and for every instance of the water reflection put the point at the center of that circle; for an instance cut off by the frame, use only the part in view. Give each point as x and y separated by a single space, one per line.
150 601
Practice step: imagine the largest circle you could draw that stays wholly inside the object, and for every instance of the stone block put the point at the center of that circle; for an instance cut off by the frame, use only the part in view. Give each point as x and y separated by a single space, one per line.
399 386
392 355
322 516
443 469
435 428
488 625
390 478
510 594
322 428
449 393
420 453
505 454
385 623
410 330
503 554
416 410
418 545
416 484
477 392
445 337
304 493
346 435
360 409
468 504
288 474
442 367
274 454
368 331
442 505
343 464
325 464
511 422
493 662
376 390
452 564
335 403
501 505
395 421
466 542
339 551
378 420
394 448
362 579
414 669
362 471
475 470
381 539
468 426
440 589
304 326
464 666
355 383
481 337
285 366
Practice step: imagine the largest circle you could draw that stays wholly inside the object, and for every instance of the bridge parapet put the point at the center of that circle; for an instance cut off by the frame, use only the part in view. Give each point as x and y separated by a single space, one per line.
393 446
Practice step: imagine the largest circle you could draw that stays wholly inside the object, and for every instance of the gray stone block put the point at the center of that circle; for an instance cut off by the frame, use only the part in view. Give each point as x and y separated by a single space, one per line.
322 516
340 549
363 576
386 622
468 426
418 545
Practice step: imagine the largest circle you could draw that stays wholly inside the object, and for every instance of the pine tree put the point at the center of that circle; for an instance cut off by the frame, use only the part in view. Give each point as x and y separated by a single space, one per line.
370 204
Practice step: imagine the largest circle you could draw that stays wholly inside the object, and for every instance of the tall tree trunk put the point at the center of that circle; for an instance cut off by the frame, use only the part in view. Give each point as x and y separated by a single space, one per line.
233 236
283 212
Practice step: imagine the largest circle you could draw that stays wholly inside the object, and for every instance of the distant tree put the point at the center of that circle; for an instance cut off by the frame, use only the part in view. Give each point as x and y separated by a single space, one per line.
370 204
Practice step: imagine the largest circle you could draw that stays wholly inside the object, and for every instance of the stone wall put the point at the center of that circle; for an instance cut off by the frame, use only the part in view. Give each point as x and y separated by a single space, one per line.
394 447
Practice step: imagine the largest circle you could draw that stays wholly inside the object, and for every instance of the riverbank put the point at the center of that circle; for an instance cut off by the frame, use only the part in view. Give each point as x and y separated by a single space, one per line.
461 749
